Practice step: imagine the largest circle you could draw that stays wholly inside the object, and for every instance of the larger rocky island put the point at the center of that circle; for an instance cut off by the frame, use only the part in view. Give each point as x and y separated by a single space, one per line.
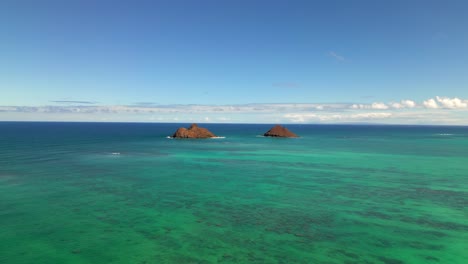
194 131
280 131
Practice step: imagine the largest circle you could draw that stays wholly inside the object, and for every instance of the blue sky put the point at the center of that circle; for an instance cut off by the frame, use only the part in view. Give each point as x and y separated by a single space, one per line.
126 60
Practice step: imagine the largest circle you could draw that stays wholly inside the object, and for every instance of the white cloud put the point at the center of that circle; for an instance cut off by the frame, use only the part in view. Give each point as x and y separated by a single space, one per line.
431 103
397 105
336 56
437 103
300 117
405 111
408 103
446 102
331 117
377 106
403 104
366 116
452 103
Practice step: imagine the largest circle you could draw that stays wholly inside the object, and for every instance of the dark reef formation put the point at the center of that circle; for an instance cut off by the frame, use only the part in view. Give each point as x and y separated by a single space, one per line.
279 131
194 131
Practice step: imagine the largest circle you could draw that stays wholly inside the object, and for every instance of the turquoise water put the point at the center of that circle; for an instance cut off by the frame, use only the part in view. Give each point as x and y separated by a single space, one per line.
338 194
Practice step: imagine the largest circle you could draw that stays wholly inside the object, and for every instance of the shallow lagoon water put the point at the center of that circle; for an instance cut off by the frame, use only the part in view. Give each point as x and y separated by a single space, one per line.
124 193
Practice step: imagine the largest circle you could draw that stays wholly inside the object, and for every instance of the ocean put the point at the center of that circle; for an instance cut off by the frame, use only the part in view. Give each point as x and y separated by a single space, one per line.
124 193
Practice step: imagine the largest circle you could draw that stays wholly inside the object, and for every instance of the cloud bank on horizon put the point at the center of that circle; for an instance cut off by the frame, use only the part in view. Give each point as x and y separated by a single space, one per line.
438 110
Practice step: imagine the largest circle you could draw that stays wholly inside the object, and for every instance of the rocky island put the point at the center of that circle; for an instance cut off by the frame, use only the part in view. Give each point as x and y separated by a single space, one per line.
194 131
279 131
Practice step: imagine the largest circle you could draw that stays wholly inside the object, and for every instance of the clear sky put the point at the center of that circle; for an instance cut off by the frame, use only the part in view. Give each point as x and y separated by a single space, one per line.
345 61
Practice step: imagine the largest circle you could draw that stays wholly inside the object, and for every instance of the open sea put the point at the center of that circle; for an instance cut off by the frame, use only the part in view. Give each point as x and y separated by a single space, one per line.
124 193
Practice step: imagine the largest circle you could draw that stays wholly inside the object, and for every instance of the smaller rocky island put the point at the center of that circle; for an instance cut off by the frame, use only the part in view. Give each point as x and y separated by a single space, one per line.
194 131
280 131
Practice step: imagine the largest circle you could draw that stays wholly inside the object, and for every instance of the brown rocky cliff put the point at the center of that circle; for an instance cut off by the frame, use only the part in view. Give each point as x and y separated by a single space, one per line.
279 131
194 131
